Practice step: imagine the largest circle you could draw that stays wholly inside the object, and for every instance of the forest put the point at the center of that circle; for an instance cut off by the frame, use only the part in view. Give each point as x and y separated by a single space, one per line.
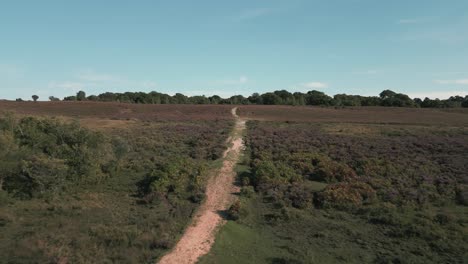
386 98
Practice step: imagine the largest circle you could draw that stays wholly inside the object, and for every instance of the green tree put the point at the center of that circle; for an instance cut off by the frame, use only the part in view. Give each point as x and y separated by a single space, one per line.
465 102
387 94
271 99
35 98
318 98
81 96
70 98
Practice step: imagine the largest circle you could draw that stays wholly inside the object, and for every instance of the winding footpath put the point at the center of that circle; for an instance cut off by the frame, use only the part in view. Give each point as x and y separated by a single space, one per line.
200 236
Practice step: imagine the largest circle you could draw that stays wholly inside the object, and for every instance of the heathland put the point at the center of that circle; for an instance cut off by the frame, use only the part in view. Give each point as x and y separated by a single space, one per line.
85 182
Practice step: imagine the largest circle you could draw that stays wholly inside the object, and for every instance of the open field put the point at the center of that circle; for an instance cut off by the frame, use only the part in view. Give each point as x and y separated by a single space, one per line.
120 111
383 115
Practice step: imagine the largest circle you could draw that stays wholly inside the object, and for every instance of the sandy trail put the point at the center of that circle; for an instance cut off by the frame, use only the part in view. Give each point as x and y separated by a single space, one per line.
200 236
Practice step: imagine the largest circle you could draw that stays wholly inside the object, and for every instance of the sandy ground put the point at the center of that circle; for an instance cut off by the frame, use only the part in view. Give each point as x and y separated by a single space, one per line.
200 236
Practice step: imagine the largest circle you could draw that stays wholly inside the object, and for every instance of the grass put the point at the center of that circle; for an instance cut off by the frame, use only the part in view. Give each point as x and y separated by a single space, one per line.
238 243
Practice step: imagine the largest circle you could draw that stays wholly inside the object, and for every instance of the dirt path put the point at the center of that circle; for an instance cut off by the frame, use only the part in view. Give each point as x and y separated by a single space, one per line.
200 236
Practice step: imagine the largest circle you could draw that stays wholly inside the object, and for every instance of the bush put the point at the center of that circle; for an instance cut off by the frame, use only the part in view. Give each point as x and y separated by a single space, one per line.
462 195
345 195
40 155
234 210
38 175
331 172
4 198
299 196
247 191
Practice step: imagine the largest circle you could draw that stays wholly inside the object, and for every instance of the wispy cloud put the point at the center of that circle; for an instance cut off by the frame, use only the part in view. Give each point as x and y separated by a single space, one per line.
92 76
448 33
366 72
415 20
10 71
314 85
438 94
250 14
459 81
67 85
412 21
98 82
240 81
221 93
149 84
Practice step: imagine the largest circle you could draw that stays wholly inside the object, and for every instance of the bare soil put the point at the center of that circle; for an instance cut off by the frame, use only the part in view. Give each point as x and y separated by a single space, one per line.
200 236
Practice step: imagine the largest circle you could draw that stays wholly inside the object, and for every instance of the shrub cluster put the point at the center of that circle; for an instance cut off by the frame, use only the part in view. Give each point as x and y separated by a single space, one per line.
40 156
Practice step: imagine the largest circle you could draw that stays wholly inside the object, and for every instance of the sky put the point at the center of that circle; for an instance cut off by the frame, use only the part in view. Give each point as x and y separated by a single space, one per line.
206 47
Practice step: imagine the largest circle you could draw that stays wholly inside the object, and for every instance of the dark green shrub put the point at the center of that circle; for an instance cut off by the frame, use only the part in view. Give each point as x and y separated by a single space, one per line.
247 191
345 195
40 156
330 171
234 211
299 196
462 195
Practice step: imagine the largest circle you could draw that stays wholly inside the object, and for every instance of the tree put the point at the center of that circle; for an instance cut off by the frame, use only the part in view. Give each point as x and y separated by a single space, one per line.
347 100
286 97
93 98
35 98
215 99
180 98
271 99
299 98
255 98
390 98
465 102
318 98
53 99
81 96
387 94
70 98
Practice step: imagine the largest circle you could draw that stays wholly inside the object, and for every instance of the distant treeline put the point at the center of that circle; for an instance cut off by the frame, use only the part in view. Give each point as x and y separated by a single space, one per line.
283 97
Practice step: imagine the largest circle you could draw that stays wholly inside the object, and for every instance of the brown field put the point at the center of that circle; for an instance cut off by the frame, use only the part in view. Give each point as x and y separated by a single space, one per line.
119 111
382 115
92 112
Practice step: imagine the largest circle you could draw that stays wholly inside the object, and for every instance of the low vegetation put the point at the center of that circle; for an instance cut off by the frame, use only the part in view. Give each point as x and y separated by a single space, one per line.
362 193
72 195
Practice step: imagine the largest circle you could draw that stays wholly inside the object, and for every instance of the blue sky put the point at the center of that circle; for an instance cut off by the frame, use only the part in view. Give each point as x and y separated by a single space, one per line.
418 47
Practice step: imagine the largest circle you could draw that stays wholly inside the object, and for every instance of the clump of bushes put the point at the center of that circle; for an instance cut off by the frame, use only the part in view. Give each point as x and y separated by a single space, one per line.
346 195
247 191
40 156
182 177
234 211
462 195
320 168
237 211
